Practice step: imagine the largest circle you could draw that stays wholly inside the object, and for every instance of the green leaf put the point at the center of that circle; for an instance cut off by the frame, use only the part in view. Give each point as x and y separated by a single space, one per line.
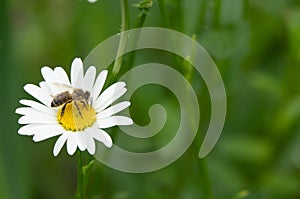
86 168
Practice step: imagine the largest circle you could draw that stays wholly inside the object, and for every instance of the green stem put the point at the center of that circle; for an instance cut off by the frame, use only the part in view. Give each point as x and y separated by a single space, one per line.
163 12
123 37
217 12
202 166
139 23
79 191
140 20
200 25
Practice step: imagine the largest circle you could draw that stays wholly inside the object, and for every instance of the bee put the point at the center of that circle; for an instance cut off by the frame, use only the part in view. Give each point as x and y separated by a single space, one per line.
72 95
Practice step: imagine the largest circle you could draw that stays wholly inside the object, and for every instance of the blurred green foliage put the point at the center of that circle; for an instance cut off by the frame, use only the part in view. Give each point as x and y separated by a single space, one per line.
256 46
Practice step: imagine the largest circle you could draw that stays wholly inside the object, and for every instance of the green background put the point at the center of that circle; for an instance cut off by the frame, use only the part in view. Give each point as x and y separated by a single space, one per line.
256 46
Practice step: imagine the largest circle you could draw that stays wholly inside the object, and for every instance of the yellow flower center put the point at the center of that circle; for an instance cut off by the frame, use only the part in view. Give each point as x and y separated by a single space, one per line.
77 116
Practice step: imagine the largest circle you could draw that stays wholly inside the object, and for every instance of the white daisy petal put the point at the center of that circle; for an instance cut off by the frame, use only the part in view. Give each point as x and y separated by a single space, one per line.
37 106
101 105
37 119
49 77
101 136
60 143
99 85
90 143
28 129
33 129
92 146
81 143
113 110
82 137
48 74
114 121
89 78
28 111
77 73
61 76
111 90
44 86
72 143
44 132
111 94
38 94
24 111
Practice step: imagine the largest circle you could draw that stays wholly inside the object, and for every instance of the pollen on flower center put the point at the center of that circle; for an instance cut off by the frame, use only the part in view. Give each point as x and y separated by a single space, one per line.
76 116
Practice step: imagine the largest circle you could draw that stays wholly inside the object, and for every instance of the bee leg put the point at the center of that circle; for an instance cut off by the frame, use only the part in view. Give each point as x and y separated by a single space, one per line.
91 100
84 104
63 109
78 109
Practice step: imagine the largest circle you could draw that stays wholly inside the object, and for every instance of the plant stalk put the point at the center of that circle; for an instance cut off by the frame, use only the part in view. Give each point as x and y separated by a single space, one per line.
163 12
123 38
79 191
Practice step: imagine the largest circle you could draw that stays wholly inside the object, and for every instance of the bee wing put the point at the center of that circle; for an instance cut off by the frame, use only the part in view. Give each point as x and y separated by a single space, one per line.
63 87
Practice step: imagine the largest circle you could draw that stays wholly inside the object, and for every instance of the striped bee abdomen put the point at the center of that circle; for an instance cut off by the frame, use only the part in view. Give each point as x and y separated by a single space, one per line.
61 98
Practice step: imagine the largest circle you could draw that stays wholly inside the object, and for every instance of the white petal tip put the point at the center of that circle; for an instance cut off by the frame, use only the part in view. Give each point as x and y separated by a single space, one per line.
45 68
123 84
71 153
104 72
22 132
77 60
26 87
130 122
108 145
92 1
17 111
127 103
20 120
91 151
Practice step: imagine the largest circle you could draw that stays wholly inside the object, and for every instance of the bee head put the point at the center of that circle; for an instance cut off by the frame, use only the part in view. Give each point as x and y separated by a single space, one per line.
86 95
53 104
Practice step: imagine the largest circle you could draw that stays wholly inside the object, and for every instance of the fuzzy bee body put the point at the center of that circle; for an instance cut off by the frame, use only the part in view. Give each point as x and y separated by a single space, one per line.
61 99
76 95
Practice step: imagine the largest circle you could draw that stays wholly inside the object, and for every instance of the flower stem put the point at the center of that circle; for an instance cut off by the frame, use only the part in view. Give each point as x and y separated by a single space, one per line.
200 24
206 187
123 37
79 191
163 12
139 23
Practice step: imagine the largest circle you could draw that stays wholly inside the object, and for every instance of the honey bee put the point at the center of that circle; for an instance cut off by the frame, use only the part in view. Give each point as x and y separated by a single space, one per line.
72 95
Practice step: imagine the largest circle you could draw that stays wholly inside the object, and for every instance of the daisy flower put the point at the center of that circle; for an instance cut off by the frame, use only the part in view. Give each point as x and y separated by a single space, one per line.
72 108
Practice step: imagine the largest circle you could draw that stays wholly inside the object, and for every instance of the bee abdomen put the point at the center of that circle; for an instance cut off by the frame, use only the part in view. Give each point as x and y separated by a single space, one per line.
61 99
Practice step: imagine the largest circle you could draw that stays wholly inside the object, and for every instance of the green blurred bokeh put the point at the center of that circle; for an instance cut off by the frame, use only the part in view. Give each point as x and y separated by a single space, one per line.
256 46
